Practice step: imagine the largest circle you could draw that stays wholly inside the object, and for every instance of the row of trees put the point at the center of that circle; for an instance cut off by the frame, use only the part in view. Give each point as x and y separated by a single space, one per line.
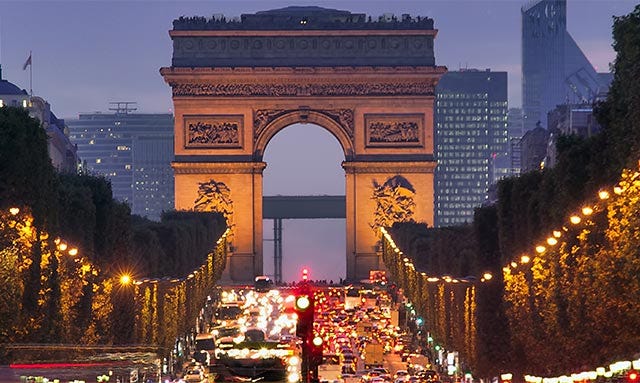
572 307
64 242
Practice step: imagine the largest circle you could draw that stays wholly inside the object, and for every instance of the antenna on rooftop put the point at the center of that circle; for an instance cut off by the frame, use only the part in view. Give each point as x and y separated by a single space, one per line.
123 107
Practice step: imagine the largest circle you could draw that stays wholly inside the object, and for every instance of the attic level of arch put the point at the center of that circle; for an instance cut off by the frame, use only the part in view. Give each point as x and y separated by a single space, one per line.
303 18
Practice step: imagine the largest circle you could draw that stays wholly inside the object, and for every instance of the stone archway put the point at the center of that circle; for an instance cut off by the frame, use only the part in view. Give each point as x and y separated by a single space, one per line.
231 97
339 122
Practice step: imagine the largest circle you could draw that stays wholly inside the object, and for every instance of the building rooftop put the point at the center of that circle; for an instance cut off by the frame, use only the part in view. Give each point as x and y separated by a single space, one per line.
303 18
9 88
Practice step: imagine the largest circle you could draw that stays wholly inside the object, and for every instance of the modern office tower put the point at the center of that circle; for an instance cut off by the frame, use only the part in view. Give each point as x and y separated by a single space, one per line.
134 151
514 131
61 151
554 69
470 133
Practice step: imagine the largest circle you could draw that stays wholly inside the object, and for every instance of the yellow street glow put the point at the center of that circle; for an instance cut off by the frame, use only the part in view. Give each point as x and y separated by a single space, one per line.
125 279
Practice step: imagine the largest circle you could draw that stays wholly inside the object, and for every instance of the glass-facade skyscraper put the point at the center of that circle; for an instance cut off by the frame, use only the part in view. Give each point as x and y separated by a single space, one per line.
134 151
554 69
470 135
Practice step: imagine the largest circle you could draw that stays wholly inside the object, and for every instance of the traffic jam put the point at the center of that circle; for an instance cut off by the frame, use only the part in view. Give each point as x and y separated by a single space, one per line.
307 333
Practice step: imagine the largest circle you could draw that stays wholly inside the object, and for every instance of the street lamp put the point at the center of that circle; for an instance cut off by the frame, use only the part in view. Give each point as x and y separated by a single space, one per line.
125 279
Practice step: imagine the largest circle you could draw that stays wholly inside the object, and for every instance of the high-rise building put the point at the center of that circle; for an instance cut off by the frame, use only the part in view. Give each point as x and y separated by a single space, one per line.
134 151
554 69
514 131
470 134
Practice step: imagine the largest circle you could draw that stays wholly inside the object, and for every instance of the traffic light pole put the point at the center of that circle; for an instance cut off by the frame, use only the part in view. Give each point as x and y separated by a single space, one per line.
304 306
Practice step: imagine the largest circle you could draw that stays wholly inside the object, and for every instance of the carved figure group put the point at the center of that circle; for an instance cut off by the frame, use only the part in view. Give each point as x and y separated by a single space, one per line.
401 131
394 202
212 133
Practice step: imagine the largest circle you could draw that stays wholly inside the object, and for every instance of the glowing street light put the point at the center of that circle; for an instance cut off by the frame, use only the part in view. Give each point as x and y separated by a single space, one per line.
525 259
125 279
14 210
73 251
575 219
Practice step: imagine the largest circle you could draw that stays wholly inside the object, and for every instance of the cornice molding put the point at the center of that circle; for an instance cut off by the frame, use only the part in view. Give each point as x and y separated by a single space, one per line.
218 167
359 167
347 70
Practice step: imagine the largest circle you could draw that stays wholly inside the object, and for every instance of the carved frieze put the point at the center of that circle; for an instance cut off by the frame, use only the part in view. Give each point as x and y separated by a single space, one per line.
396 130
213 131
423 88
263 117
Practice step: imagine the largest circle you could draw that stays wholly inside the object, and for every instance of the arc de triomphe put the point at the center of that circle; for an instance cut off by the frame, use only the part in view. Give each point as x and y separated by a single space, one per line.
370 83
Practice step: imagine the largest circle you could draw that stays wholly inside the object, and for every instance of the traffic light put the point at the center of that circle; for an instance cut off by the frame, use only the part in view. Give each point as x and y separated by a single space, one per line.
632 376
305 274
304 309
317 349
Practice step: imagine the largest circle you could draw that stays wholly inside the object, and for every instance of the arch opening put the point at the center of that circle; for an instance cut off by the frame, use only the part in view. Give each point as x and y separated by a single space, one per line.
304 160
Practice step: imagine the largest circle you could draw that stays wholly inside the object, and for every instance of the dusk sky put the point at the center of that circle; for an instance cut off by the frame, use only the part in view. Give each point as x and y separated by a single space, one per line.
86 54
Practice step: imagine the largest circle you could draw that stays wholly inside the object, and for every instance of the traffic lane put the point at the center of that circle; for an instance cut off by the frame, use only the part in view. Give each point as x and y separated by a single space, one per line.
393 362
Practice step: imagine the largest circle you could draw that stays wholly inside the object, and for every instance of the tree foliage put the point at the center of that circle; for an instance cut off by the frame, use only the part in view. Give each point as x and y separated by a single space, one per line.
578 300
63 250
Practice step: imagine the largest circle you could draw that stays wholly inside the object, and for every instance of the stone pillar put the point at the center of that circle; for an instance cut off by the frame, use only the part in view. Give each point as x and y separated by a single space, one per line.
244 182
362 231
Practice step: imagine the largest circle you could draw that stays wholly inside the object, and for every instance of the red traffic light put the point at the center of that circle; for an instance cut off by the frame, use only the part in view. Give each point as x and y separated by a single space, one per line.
632 376
305 274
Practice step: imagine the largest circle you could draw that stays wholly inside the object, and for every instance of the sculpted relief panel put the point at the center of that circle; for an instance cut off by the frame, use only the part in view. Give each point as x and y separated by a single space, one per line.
394 202
396 130
213 131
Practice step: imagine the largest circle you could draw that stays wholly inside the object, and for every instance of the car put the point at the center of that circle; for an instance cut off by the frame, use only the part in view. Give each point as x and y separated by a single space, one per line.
404 374
194 375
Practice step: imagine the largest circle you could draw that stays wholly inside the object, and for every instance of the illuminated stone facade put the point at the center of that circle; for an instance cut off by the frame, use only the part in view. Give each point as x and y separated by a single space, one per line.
382 116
